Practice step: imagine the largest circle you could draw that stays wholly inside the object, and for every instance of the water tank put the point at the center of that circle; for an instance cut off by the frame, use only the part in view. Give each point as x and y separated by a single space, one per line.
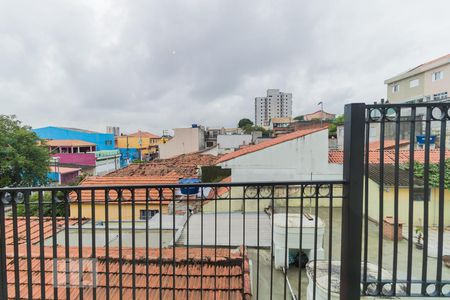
189 190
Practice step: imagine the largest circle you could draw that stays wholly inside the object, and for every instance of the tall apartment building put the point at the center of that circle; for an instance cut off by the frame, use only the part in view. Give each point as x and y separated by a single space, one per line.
427 82
275 105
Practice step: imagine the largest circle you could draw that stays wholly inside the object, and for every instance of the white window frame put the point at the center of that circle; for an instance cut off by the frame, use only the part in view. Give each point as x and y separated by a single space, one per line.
435 77
414 83
396 88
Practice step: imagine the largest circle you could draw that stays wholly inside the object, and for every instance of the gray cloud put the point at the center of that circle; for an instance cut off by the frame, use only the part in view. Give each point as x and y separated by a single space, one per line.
156 65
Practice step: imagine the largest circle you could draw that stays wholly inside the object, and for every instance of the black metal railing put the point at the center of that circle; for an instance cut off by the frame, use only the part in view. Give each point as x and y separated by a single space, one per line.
405 197
215 241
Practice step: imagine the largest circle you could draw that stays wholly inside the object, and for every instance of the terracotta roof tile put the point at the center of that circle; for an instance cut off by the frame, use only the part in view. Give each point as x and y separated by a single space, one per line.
63 170
185 165
144 134
34 228
68 143
388 144
272 142
337 156
139 194
222 273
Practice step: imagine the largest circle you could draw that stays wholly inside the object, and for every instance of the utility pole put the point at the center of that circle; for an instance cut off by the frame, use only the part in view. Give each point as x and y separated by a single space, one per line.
321 110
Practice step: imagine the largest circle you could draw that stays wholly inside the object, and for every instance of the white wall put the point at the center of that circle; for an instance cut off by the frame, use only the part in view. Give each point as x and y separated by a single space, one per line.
304 158
106 165
185 140
232 141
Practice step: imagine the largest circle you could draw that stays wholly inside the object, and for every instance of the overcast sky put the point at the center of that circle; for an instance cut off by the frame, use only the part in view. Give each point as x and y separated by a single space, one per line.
155 65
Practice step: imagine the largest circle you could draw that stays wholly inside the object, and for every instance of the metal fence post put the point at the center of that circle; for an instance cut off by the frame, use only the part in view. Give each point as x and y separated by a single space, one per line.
352 206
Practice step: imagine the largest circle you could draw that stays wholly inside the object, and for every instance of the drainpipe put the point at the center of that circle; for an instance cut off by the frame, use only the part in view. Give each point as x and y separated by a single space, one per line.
293 296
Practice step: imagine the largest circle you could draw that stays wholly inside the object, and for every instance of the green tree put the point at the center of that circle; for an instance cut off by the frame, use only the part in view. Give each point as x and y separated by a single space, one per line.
244 123
24 161
299 118
47 206
433 174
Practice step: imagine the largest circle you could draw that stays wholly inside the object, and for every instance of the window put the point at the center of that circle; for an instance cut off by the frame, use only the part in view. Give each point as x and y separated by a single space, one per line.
148 214
414 83
437 75
395 88
440 96
419 194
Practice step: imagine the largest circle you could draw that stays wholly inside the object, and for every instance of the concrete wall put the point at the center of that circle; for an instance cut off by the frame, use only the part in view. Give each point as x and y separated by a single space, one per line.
82 159
185 140
232 141
103 141
106 165
388 202
406 93
438 86
304 158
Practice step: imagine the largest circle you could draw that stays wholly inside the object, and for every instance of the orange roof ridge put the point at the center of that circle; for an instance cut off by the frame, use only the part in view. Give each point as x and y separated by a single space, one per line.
144 134
275 141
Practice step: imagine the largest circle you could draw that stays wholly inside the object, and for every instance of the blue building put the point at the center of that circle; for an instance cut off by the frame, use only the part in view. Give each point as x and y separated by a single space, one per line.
103 141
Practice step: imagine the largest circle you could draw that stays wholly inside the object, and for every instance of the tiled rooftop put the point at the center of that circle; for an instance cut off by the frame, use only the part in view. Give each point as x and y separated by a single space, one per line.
63 170
140 194
144 134
223 276
337 156
388 144
186 165
34 228
269 143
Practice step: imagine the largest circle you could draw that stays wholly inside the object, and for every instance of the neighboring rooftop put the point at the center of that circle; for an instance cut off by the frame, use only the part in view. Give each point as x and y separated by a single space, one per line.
435 63
80 130
139 194
388 144
224 274
185 165
269 143
63 170
68 143
144 134
389 176
337 156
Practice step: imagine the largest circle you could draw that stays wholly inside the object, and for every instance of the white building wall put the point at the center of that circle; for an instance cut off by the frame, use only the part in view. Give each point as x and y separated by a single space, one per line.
106 165
229 142
304 158
185 140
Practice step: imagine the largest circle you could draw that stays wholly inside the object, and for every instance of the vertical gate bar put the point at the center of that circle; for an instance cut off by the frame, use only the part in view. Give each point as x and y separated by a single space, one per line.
366 203
67 242
120 258
215 243
272 253
243 243
412 137
257 243
352 205
330 240
94 246
426 177
41 241
300 246
316 223
28 241
396 198
286 252
187 245
229 242
107 242
147 199
133 241
80 246
161 195
441 210
3 266
201 246
54 246
16 247
381 204
173 243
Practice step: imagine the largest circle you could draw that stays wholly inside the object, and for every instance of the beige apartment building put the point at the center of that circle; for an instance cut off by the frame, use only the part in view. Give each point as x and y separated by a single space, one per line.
427 82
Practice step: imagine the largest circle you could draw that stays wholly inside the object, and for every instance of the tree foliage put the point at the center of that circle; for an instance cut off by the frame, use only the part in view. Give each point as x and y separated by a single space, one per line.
332 128
47 206
433 174
243 123
23 161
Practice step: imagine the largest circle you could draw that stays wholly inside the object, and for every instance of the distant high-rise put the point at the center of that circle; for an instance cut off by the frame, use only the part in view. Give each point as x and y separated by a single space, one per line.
113 129
275 105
